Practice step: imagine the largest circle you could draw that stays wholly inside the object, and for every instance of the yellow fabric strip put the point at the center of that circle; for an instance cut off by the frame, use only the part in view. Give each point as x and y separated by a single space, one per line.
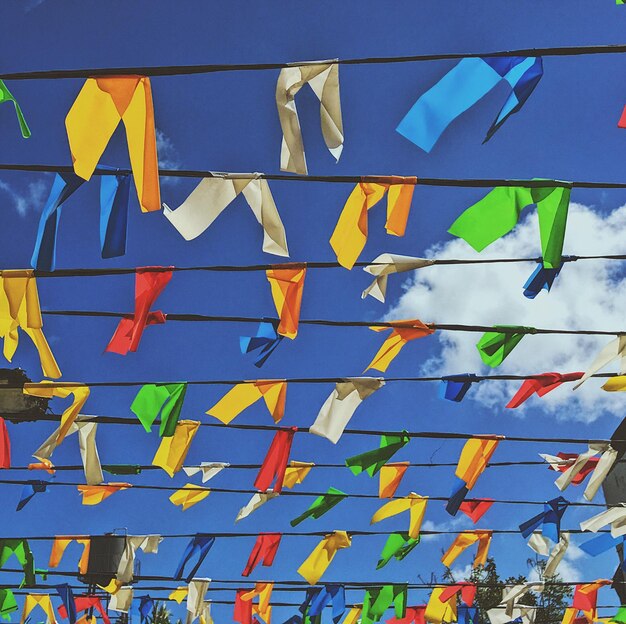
414 503
172 451
189 495
316 563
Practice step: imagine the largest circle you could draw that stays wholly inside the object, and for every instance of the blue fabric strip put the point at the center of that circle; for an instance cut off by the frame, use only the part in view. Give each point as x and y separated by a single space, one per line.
114 195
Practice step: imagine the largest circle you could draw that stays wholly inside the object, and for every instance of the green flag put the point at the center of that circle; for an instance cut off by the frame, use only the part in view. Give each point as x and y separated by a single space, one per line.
21 550
379 599
495 346
620 616
372 461
498 212
121 469
7 96
8 603
398 546
321 505
164 400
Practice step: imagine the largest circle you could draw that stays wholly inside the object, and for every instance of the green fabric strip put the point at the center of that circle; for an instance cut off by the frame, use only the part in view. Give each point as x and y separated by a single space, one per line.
7 96
495 346
372 461
164 400
321 505
398 546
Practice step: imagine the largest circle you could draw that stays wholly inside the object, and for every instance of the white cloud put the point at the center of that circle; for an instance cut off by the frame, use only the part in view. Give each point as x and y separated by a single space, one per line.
587 294
33 198
169 158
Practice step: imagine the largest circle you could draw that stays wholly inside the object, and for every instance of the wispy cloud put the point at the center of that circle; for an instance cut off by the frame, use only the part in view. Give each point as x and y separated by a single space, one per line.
31 199
169 158
586 295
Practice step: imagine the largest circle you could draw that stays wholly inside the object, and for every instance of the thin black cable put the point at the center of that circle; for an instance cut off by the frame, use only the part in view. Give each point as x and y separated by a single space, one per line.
180 70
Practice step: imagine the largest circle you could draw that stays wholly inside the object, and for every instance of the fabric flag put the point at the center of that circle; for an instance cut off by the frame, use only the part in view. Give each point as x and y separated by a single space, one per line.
397 546
390 476
350 234
45 390
615 384
508 610
114 195
95 494
199 545
208 470
179 594
243 395
296 472
318 598
19 308
495 346
85 603
414 615
475 509
562 461
5 445
7 96
413 503
67 597
287 285
498 213
439 608
614 350
146 606
466 591
23 554
264 343
257 500
474 458
97 111
378 599
549 521
275 463
213 195
28 492
86 430
615 516
38 600
555 554
462 87
540 279
172 451
354 615
585 600
541 385
122 600
454 388
608 457
405 331
321 505
340 406
189 495
245 608
372 461
149 284
126 567
465 539
314 566
164 401
264 551
388 264
323 78
195 598
59 547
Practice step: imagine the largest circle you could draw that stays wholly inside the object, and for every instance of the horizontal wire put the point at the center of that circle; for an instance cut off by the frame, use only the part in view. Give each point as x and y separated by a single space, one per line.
452 327
437 435
180 70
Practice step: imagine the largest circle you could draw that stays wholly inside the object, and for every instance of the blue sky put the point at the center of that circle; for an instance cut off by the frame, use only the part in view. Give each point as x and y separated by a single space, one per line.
228 122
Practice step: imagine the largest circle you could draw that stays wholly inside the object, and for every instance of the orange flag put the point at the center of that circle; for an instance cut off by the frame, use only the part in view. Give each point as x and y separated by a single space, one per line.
287 285
390 476
350 234
95 494
464 540
410 330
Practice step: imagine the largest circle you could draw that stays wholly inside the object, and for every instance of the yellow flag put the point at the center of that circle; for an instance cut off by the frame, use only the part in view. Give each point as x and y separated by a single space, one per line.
41 600
243 395
316 563
189 495
414 503
615 384
179 594
59 546
474 459
398 337
438 611
287 285
95 494
172 451
296 473
465 539
390 476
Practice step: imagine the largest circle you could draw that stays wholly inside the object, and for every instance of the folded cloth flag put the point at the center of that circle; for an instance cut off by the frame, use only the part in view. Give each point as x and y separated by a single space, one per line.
455 387
540 385
372 461
549 520
91 121
316 563
390 476
378 599
317 598
7 96
164 401
29 490
296 472
213 195
243 395
397 546
23 554
8 604
264 551
413 503
257 500
321 505
385 265
475 509
616 349
350 234
465 539
440 610
114 195
275 463
540 279
149 284
287 285
498 213
199 545
562 461
462 87
5 445
38 600
585 600
404 332
323 78
189 495
172 451
264 343
495 346
95 494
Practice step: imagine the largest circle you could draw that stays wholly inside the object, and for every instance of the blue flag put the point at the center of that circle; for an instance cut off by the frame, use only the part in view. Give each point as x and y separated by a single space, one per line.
549 520
264 343
454 388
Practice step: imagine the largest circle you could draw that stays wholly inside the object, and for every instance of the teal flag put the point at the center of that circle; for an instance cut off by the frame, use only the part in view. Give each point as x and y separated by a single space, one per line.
498 212
398 546
495 346
372 461
379 599
164 400
7 96
321 505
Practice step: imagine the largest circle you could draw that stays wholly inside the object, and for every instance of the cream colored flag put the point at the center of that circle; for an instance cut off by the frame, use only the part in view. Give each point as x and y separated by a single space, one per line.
208 470
122 600
386 264
195 598
213 195
615 516
615 349
257 500
323 78
148 543
340 406
541 545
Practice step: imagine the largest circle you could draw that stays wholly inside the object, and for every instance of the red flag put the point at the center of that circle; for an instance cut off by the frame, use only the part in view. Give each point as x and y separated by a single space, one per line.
86 602
476 508
414 615
589 466
5 445
264 550
243 608
275 462
148 286
468 593
540 384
